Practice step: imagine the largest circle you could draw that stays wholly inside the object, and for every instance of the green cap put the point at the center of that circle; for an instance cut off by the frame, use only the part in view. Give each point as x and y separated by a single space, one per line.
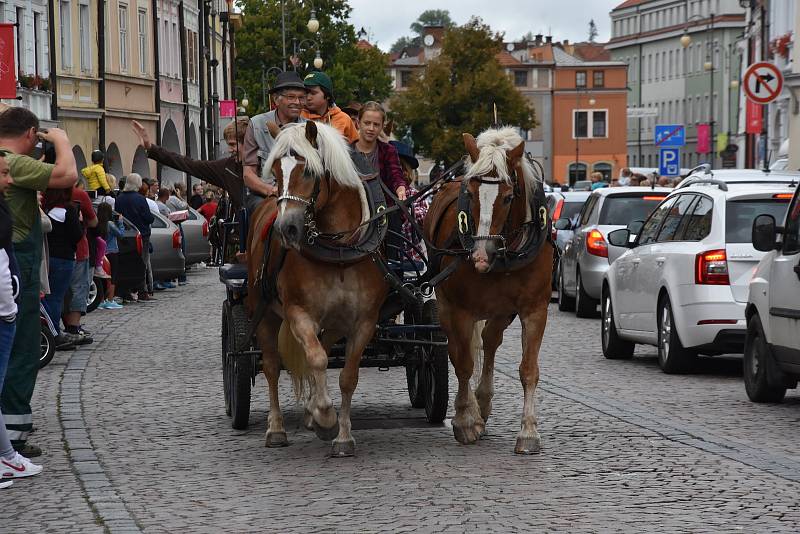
318 78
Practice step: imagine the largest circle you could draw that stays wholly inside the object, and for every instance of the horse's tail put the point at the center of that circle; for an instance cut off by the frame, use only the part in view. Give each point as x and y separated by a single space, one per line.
476 346
293 357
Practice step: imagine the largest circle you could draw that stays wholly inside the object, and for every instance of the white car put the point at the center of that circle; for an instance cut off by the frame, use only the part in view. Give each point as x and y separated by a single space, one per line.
683 284
772 348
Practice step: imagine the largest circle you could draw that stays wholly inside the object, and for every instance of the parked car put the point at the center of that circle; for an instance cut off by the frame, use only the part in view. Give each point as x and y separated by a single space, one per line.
772 344
740 176
567 205
683 284
195 232
166 260
582 185
587 254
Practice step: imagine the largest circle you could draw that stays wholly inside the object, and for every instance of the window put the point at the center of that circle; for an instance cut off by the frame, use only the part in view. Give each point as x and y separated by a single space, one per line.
580 78
577 173
582 119
123 37
542 78
604 169
675 223
85 20
599 124
588 210
580 124
652 225
598 78
698 226
37 46
142 15
521 78
624 208
65 31
670 71
190 61
405 78
2 11
174 56
739 216
791 237
19 54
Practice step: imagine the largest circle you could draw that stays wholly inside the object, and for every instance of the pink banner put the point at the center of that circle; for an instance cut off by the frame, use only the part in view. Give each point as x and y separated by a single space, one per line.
703 139
8 71
753 118
227 108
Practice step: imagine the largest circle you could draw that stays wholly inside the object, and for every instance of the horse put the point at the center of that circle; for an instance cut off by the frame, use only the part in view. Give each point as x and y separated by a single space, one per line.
496 192
314 303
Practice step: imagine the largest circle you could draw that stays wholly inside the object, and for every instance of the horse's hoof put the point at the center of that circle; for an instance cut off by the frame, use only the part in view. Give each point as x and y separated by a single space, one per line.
276 439
308 420
343 449
467 435
326 434
528 445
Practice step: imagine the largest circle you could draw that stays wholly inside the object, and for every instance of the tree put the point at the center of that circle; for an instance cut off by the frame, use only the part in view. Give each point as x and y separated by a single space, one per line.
592 31
527 38
259 48
429 17
457 92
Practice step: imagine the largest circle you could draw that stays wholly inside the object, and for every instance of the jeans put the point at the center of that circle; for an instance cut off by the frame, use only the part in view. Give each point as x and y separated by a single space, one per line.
6 341
79 286
59 277
148 270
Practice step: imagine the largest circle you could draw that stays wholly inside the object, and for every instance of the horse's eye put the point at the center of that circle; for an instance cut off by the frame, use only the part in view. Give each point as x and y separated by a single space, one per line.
507 199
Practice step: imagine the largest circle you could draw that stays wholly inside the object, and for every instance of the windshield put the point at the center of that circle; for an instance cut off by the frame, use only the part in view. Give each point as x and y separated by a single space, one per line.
570 210
739 216
623 209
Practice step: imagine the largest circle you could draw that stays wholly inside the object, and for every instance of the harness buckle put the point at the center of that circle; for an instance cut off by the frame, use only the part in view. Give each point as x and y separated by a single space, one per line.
543 216
381 209
463 222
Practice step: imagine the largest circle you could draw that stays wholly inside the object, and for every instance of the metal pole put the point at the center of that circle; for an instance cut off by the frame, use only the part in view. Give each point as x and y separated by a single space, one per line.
711 95
283 31
577 137
764 57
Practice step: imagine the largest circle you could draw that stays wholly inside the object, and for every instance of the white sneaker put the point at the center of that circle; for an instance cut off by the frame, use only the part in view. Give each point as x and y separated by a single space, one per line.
6 484
100 273
18 467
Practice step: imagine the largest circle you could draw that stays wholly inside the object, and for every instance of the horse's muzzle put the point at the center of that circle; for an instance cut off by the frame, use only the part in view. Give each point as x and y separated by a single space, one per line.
483 255
290 229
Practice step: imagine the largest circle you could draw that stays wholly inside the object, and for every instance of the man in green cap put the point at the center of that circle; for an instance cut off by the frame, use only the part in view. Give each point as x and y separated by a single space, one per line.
319 105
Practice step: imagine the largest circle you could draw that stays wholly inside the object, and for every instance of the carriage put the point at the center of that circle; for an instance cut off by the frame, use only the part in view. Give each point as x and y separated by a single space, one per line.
408 335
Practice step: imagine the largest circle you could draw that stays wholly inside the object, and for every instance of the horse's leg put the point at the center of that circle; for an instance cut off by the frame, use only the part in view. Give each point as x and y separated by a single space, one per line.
267 335
528 441
468 424
323 413
344 444
308 420
492 338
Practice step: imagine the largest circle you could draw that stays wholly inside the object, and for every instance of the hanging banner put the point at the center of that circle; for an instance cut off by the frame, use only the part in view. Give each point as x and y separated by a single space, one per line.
227 108
703 139
753 118
722 141
8 71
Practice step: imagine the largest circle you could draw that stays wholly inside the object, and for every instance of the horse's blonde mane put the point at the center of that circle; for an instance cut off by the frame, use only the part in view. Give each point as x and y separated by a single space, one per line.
332 155
492 145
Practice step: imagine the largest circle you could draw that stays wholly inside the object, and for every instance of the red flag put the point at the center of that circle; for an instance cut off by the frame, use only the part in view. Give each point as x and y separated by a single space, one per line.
753 117
227 108
8 71
703 139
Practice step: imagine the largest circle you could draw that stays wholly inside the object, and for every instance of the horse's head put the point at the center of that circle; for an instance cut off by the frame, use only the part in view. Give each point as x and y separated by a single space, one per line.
308 160
494 178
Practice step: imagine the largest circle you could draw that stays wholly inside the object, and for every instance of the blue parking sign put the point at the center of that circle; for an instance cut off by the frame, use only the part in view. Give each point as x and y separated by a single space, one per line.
670 135
669 162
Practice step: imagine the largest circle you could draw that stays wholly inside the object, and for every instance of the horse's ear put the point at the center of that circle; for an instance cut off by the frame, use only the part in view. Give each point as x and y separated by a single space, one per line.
516 152
472 147
311 133
273 129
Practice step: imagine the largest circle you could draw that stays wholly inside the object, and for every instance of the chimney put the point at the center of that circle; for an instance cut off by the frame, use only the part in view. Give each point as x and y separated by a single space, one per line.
538 40
566 43
549 39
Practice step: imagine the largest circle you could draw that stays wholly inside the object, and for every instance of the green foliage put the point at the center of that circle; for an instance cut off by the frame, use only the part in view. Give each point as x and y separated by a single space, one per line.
457 92
259 47
430 17
405 42
592 31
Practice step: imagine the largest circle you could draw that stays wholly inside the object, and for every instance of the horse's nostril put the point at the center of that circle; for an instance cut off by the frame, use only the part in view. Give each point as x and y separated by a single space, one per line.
291 231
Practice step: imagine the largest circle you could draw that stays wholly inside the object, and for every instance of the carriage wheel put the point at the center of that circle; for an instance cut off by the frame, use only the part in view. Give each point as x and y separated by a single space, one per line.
226 387
414 374
435 369
240 370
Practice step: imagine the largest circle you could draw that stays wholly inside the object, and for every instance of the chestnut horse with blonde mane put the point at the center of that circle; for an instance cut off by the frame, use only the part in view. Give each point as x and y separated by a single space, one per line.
320 302
498 186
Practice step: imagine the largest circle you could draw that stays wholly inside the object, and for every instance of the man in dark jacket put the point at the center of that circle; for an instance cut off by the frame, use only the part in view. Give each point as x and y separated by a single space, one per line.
133 206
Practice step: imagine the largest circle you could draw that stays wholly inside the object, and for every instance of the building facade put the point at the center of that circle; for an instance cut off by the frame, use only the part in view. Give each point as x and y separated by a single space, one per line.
684 64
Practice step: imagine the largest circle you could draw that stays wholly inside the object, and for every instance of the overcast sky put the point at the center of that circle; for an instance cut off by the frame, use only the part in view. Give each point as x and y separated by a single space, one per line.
564 19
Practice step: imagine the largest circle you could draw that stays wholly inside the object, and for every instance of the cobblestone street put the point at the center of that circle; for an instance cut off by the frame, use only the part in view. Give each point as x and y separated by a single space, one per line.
136 439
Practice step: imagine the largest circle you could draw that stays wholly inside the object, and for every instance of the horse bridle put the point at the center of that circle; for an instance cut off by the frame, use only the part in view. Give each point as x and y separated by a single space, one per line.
465 219
310 224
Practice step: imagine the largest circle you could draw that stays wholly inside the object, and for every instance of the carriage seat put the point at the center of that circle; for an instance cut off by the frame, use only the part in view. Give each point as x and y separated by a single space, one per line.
233 271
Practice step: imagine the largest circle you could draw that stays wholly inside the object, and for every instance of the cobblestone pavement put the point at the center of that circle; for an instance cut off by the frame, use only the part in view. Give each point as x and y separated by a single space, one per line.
136 439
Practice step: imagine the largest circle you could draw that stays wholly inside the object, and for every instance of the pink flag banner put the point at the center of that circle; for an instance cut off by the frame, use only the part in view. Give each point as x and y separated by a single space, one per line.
8 71
703 139
227 108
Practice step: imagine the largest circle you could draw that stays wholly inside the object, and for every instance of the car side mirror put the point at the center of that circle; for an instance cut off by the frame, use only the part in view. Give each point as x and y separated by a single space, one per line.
620 238
764 233
634 227
563 224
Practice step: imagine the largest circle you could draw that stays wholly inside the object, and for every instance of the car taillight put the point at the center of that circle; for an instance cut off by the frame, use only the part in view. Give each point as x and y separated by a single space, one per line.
139 244
783 196
556 216
176 239
711 268
205 228
653 197
596 244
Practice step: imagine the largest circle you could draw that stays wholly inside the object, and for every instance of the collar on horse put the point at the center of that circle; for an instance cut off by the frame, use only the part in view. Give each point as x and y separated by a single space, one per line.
518 246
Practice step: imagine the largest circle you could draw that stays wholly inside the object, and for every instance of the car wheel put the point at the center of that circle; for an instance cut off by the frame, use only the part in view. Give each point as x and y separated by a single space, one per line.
96 294
672 356
756 361
565 302
614 347
585 306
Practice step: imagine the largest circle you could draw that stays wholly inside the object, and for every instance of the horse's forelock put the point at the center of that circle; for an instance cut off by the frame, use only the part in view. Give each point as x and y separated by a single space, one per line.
492 145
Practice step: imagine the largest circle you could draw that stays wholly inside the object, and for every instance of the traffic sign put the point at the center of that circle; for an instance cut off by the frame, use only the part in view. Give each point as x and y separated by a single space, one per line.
670 135
669 162
641 113
763 82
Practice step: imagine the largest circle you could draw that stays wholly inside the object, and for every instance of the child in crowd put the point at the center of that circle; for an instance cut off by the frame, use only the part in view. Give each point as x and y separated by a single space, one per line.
110 227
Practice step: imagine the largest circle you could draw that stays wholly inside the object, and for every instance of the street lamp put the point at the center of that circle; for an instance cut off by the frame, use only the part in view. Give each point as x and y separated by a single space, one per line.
312 25
298 47
264 88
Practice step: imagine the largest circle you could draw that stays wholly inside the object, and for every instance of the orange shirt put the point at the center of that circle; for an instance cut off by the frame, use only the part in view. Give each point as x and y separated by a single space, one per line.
338 119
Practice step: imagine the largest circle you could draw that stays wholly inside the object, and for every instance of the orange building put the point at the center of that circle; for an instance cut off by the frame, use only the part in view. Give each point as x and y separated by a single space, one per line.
589 116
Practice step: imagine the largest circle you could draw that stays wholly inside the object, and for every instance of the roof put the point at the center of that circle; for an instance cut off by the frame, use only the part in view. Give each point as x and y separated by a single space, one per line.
626 190
630 3
563 59
507 60
363 44
749 176
591 51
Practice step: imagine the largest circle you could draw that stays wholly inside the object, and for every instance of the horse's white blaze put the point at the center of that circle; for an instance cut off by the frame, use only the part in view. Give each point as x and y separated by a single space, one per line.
487 194
288 164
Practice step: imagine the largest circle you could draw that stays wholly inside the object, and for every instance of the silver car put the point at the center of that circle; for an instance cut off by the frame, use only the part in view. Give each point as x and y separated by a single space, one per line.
195 232
563 204
166 260
586 257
